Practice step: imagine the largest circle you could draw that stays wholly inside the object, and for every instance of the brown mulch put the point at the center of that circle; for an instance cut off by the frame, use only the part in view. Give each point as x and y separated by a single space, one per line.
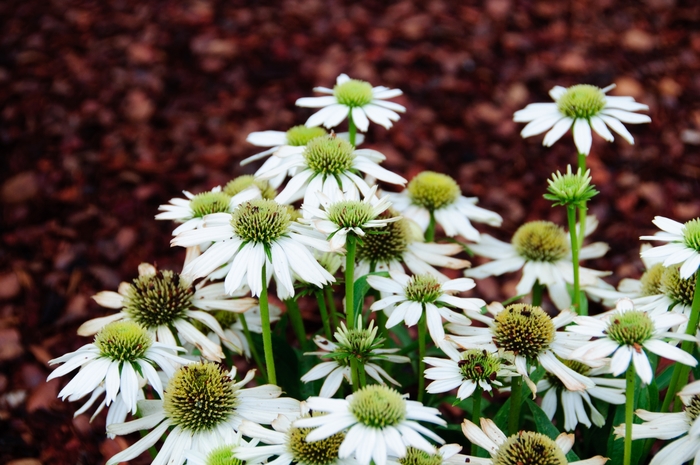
110 108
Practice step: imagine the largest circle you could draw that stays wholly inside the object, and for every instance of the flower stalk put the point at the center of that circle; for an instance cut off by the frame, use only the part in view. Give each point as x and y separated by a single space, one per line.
253 350
325 318
476 414
629 414
422 333
516 389
266 331
571 217
350 247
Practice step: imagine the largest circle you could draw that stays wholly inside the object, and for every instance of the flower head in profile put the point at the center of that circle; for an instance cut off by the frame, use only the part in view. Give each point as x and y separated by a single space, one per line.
528 333
359 343
258 235
437 194
467 370
344 214
625 334
122 354
328 164
355 99
401 243
289 444
282 144
573 189
683 244
202 403
682 425
524 447
542 250
192 210
408 298
165 301
609 390
377 421
582 106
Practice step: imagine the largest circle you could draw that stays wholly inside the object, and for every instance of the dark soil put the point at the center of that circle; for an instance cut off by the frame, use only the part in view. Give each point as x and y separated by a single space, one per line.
111 108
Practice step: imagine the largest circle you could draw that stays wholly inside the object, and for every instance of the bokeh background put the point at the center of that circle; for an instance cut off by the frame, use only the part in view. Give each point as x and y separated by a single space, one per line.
110 108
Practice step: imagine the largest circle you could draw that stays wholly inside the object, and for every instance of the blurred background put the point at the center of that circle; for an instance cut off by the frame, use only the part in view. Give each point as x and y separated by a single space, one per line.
110 108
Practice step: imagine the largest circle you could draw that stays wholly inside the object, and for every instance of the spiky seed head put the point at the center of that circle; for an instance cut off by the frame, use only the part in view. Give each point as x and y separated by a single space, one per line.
692 410
524 330
390 242
691 234
378 406
433 190
323 452
353 93
679 290
241 183
199 397
418 457
329 155
261 221
581 101
479 365
158 299
529 448
541 241
423 288
651 280
207 203
299 136
631 328
350 213
124 341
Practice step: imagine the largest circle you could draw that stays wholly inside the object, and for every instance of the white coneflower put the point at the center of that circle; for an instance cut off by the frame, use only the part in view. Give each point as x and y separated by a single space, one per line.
412 296
524 447
467 370
582 106
359 343
122 353
163 301
202 403
625 333
288 443
328 164
378 421
355 98
343 214
258 233
683 244
531 335
440 194
666 426
609 390
543 251
401 243
192 210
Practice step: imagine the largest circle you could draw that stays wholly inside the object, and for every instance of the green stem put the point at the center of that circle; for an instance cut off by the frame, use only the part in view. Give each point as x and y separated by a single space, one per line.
430 232
324 314
354 374
350 281
629 414
571 216
266 331
516 389
253 350
330 301
476 414
361 372
422 331
352 130
537 294
297 321
680 371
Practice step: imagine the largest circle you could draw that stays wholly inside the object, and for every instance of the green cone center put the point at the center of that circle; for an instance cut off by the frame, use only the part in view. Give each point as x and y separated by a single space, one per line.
299 136
691 234
207 203
261 221
390 242
529 448
378 406
631 328
241 183
353 93
581 101
323 452
125 341
329 155
541 241
158 299
423 288
524 330
433 190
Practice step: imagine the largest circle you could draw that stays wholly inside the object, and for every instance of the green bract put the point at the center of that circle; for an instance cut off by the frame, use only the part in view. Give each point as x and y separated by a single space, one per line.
570 189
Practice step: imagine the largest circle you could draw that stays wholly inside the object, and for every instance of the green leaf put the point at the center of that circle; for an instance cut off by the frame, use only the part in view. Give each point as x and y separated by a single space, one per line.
360 289
545 426
286 364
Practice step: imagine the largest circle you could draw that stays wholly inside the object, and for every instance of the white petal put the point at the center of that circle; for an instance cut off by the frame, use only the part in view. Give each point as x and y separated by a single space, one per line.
582 136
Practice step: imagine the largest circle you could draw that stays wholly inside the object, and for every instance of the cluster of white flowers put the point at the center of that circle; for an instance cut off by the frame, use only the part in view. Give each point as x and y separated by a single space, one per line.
172 332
